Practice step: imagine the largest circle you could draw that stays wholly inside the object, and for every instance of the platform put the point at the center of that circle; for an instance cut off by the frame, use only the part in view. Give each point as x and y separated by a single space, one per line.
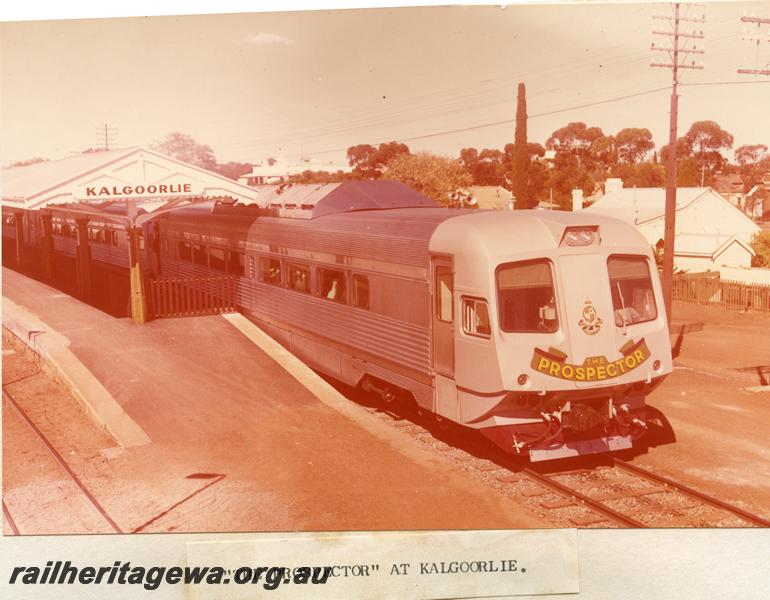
211 401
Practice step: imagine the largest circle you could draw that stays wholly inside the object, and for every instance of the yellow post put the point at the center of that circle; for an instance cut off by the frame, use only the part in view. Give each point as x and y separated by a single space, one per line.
138 300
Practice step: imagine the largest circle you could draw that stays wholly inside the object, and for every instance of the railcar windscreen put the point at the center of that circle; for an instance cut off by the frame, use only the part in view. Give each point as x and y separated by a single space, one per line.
526 299
632 297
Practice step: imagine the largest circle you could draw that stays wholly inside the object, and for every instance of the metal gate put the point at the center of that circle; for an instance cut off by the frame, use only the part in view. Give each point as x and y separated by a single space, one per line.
192 296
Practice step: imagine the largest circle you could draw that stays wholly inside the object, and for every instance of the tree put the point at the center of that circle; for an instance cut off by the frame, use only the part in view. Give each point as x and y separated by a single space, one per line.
574 144
435 176
761 245
633 144
183 147
233 169
705 141
520 170
369 162
754 162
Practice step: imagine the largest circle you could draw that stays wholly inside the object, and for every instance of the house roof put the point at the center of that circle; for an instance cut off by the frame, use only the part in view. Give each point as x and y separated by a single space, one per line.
707 245
641 205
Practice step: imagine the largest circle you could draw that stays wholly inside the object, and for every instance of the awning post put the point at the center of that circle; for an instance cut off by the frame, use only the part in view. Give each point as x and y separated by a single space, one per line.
83 258
138 300
46 244
18 223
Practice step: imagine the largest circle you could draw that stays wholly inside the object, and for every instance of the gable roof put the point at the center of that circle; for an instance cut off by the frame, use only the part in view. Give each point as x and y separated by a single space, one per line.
641 205
57 181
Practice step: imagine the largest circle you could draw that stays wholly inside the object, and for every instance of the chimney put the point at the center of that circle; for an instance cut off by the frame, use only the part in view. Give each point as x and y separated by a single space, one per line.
613 184
577 200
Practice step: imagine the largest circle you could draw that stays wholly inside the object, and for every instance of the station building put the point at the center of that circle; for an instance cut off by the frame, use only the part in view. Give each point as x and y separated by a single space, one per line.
85 223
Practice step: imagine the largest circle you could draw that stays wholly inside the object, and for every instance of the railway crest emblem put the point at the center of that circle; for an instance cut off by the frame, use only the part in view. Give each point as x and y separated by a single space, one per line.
591 322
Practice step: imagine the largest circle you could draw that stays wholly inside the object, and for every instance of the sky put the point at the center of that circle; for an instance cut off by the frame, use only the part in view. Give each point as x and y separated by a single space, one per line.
312 83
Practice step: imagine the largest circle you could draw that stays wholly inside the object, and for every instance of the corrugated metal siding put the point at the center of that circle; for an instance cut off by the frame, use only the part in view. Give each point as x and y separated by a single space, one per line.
110 254
65 245
401 343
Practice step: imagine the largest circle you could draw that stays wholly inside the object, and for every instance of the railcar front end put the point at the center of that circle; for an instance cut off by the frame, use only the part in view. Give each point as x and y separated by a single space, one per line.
560 331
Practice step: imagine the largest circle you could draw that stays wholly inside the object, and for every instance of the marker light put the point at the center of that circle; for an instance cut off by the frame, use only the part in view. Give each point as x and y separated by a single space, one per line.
579 236
523 379
656 365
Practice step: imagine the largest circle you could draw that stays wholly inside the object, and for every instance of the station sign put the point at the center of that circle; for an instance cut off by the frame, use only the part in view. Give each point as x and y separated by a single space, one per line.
113 191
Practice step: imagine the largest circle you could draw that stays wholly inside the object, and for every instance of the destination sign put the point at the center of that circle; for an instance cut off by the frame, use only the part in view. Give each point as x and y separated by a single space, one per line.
595 368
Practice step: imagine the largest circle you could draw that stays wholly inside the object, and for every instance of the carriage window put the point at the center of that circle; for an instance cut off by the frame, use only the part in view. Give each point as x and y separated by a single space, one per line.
632 298
444 287
526 299
236 263
217 258
199 254
270 269
476 317
299 277
331 284
185 251
361 291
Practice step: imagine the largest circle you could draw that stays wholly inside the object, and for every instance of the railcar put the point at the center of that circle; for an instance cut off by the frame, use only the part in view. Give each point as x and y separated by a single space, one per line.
545 330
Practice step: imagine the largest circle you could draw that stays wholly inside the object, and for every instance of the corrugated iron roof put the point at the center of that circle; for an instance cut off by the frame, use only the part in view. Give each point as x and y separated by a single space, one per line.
27 181
639 205
310 201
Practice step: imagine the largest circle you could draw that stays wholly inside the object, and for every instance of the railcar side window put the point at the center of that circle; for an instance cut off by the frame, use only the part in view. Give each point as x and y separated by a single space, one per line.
444 288
361 291
299 277
632 298
199 254
217 259
270 270
526 298
476 317
236 263
331 284
185 251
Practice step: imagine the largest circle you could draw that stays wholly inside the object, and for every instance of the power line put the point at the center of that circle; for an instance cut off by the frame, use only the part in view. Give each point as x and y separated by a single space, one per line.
543 114
677 53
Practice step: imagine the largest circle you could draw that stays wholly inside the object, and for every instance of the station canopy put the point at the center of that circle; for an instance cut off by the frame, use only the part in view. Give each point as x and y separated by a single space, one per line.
90 182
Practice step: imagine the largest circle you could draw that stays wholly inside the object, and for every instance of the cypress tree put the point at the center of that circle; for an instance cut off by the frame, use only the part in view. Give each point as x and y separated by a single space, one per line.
520 154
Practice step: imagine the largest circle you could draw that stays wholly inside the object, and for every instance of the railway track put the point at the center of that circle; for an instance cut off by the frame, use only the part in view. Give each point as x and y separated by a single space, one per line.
9 397
210 478
607 492
630 496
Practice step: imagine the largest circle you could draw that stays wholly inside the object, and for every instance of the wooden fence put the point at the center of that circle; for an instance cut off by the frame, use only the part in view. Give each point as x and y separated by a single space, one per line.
713 291
192 296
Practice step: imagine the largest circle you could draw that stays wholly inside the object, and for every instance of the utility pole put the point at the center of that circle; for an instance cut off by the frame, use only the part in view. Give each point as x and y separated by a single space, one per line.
678 52
758 21
105 135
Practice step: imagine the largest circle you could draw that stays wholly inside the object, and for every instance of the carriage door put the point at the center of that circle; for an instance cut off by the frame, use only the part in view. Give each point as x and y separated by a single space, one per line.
443 316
